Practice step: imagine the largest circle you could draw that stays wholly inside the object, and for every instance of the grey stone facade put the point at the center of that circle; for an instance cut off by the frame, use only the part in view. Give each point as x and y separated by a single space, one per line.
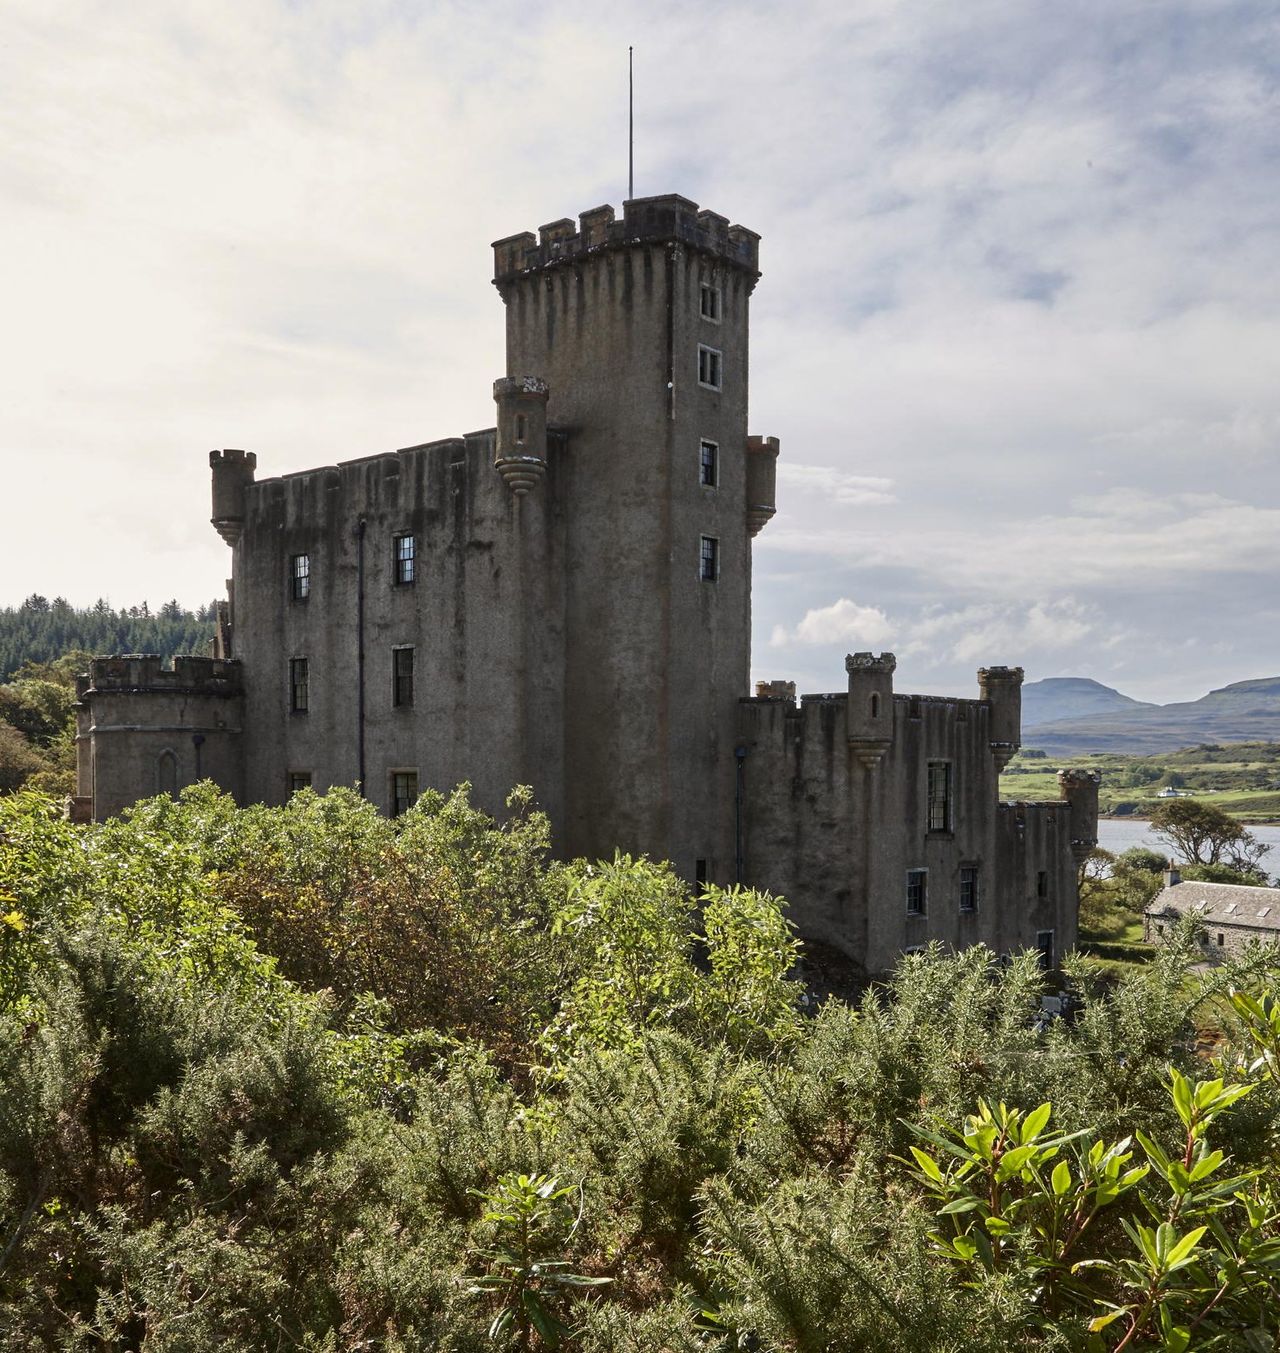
564 601
1230 918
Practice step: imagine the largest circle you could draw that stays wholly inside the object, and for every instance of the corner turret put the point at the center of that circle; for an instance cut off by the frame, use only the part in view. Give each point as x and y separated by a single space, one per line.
762 480
1001 688
869 712
520 455
1080 789
232 475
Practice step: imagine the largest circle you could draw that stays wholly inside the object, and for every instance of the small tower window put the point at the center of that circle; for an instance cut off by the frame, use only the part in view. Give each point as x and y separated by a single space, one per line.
710 303
167 774
709 559
1044 943
1042 884
300 577
939 796
917 891
402 677
968 887
406 558
299 779
708 367
875 704
521 426
708 464
299 686
404 791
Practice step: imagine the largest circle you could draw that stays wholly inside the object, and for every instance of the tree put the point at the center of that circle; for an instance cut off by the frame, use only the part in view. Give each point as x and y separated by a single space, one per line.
1199 833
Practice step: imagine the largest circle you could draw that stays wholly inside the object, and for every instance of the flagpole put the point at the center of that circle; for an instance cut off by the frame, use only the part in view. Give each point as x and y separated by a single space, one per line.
631 123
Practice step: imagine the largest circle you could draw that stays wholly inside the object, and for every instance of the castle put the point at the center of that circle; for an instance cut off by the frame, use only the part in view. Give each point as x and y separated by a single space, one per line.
563 601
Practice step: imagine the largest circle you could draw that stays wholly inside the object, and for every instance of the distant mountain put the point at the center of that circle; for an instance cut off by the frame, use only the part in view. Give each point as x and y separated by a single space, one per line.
1245 711
1058 698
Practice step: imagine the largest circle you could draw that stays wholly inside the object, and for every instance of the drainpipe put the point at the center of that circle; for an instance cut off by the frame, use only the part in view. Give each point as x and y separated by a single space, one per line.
360 529
740 757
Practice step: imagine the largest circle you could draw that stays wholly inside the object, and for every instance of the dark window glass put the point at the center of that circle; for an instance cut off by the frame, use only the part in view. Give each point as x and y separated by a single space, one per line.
709 559
406 558
167 774
299 779
710 303
300 577
404 791
917 891
521 426
1044 943
709 367
939 796
299 692
700 873
708 454
402 676
968 887
1042 884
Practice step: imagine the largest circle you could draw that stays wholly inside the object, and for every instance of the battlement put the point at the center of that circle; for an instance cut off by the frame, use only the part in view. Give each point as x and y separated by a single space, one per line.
146 673
869 662
644 220
230 456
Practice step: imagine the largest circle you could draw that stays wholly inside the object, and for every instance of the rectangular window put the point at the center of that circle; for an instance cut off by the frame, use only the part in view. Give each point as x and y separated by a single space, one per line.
1044 944
709 559
402 677
1042 884
708 367
299 686
968 887
406 558
939 796
700 874
710 303
708 463
404 791
1221 939
300 577
299 779
917 891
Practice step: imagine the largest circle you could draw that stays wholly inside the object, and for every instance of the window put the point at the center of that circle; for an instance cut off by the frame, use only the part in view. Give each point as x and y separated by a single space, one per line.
709 303
404 791
968 887
406 558
1042 885
1159 929
709 559
299 693
299 779
522 425
402 677
1221 939
167 774
917 891
708 463
700 874
1044 945
300 577
875 705
939 796
708 367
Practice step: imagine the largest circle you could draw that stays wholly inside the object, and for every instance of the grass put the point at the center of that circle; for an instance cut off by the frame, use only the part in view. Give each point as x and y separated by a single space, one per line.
1242 779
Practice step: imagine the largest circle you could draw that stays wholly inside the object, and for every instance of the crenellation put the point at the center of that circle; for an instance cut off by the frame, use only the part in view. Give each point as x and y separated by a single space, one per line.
141 673
667 218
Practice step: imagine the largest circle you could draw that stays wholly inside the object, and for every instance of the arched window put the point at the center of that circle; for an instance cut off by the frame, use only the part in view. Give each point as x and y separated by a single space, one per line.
875 704
167 774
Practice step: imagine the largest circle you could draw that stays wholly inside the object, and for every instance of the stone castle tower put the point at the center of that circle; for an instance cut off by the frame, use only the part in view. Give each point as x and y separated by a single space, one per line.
563 600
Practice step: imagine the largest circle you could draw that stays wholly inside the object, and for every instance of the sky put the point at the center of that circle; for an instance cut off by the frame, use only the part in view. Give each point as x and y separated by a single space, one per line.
1018 328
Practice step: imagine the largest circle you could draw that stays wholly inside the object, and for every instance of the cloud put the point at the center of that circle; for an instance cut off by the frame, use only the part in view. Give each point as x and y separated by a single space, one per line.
851 490
843 622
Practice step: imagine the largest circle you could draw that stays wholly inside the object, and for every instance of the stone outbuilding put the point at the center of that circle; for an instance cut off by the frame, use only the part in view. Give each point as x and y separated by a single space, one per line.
1230 916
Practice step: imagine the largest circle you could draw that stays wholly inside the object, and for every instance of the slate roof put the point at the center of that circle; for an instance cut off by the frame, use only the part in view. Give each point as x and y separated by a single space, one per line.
1224 903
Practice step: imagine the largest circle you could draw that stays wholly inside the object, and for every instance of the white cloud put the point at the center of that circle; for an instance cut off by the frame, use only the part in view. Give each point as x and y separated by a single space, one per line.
843 622
850 490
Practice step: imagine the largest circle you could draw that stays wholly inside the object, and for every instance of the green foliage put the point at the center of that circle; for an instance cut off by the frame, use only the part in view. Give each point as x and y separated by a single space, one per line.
301 1077
531 1219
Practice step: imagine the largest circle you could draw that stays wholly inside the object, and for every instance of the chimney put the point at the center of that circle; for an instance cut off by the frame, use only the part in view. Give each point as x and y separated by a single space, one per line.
1171 876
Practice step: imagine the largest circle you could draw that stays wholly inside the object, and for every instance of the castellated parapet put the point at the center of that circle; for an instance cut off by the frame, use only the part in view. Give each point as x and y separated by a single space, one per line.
644 220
